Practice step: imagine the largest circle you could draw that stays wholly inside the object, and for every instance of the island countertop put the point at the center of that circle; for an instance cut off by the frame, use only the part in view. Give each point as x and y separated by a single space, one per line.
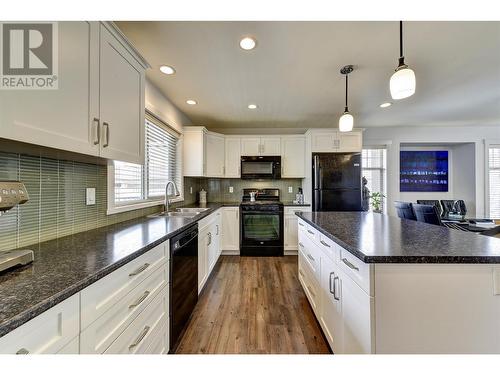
377 238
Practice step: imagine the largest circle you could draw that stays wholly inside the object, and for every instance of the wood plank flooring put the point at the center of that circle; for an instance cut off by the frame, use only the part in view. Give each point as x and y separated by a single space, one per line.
253 305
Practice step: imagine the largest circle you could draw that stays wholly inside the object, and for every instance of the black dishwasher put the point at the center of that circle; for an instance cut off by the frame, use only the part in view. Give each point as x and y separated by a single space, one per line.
183 281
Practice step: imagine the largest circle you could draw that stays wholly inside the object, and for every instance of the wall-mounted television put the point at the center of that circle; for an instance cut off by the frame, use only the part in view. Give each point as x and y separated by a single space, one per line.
423 171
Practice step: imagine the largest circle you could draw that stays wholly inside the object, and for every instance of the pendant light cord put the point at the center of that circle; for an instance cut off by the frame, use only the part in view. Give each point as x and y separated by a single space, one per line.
400 38
346 85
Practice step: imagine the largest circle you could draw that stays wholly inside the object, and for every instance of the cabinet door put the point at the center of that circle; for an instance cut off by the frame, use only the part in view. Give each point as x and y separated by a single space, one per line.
293 157
218 234
325 141
231 228
121 102
270 146
351 142
233 157
250 146
60 118
331 307
212 248
357 312
215 155
202 258
291 228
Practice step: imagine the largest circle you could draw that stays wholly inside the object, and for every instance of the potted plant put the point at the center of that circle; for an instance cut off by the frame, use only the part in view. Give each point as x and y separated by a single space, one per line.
376 201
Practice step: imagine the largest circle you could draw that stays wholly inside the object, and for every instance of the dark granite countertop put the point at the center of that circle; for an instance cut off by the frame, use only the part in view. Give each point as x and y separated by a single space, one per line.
377 238
291 204
64 266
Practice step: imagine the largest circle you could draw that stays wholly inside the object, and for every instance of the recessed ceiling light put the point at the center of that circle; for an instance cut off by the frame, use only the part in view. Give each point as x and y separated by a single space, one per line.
167 69
248 43
191 102
385 105
252 106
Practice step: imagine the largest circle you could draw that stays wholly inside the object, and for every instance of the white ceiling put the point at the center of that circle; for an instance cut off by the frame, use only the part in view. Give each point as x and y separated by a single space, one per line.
293 74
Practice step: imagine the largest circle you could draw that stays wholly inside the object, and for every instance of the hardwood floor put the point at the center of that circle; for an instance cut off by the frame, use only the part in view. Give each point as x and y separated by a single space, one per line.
253 305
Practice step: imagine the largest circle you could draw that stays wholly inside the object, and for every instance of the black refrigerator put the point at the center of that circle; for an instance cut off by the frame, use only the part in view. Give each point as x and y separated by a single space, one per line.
336 182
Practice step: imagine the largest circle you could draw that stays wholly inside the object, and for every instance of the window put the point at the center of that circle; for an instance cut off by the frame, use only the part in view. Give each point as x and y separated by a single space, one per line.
494 181
374 167
136 186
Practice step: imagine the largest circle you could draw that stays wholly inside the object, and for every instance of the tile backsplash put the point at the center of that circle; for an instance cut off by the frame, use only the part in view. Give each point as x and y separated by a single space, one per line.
218 188
56 206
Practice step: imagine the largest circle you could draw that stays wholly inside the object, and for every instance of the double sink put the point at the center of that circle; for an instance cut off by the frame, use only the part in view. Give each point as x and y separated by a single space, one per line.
184 212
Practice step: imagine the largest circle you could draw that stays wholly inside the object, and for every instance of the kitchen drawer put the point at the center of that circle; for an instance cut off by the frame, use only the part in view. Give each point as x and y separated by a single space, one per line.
293 210
101 333
47 333
105 293
312 256
309 284
160 341
357 270
72 348
142 332
328 247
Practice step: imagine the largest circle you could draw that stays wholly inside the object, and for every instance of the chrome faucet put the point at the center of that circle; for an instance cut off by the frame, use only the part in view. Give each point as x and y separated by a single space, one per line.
176 193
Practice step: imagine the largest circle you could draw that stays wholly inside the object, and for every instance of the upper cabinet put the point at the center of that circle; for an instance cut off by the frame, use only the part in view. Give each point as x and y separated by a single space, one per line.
293 156
233 157
99 102
203 152
335 141
257 146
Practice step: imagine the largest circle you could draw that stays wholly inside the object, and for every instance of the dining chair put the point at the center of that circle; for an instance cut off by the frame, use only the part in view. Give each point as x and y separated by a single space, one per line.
405 210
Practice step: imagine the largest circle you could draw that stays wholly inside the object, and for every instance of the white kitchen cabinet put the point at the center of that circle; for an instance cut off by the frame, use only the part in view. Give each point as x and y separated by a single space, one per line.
230 229
209 241
215 155
233 157
60 118
98 107
291 226
335 141
194 151
293 156
48 333
261 146
331 306
121 93
215 249
203 244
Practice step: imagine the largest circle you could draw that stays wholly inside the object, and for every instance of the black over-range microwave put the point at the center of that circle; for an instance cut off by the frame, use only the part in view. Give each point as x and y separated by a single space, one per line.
260 167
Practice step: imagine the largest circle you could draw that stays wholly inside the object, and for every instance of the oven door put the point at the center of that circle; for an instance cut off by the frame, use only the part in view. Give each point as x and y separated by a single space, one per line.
261 233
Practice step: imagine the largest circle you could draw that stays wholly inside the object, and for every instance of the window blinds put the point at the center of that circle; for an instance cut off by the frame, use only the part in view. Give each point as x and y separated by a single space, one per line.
494 181
135 182
373 162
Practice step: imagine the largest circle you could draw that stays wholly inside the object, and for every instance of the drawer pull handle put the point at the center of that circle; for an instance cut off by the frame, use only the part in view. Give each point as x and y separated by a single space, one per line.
335 288
310 257
140 337
23 351
324 243
349 264
310 232
301 224
140 300
139 270
301 244
331 284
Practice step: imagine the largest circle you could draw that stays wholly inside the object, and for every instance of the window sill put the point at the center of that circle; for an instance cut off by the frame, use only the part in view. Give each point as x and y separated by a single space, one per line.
138 205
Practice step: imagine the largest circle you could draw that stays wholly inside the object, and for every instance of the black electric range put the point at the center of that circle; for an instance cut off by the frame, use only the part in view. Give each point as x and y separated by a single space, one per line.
261 223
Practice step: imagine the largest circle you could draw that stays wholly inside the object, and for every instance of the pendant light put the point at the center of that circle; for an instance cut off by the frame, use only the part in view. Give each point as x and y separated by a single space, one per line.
346 121
402 82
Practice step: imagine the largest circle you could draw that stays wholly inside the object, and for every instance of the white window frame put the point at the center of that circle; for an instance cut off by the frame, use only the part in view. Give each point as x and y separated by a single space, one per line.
487 145
385 147
114 208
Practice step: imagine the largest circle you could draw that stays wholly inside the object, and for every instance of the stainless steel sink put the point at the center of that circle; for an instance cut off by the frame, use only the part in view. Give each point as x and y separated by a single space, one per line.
192 209
175 214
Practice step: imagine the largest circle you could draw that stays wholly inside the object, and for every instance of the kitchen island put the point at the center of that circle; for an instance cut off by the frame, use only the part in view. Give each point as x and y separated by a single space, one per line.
380 284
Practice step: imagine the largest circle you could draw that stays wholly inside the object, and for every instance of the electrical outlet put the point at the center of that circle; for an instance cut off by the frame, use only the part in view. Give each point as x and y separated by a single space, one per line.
190 190
90 196
290 189
231 189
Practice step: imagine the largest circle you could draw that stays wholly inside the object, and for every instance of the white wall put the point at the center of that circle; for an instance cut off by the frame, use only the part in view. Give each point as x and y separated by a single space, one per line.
164 109
464 175
394 136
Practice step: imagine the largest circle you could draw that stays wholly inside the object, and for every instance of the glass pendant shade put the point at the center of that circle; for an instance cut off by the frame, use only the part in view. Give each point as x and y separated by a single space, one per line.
346 122
402 83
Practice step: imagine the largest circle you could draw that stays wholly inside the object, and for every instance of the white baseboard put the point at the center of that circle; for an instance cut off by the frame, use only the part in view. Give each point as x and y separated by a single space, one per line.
230 252
291 252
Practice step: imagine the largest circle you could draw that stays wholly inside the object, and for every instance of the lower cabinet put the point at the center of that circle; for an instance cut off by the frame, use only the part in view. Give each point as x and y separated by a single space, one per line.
230 240
209 246
343 308
291 242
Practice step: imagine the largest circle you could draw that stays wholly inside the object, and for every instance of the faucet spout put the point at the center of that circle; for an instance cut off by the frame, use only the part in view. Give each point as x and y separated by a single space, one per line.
176 193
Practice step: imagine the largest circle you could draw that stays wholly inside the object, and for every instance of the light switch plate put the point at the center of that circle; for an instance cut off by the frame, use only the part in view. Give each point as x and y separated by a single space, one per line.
190 190
231 189
290 189
90 194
